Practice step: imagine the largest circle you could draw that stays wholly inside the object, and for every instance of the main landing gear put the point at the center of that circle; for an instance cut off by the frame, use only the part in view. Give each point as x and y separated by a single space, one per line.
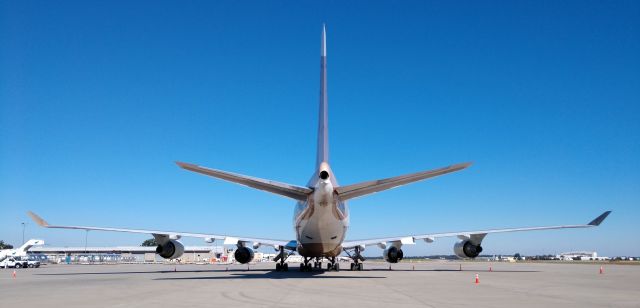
333 265
281 266
317 264
307 266
356 265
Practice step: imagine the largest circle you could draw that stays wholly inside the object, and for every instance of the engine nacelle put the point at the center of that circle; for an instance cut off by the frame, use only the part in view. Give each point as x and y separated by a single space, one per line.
173 249
243 255
466 249
393 254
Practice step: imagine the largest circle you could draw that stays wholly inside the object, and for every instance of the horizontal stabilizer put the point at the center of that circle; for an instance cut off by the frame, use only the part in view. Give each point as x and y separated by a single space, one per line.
283 189
365 188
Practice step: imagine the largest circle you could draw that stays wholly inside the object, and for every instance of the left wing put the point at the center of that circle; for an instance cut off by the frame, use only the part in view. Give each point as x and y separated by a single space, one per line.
228 240
475 236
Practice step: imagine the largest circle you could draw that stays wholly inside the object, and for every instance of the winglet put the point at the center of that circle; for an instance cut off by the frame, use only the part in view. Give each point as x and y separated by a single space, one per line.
37 219
599 219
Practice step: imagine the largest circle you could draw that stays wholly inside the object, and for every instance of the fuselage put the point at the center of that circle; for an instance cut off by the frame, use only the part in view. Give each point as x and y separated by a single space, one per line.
321 222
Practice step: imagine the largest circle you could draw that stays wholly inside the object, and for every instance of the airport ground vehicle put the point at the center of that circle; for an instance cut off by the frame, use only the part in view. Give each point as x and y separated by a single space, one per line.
33 263
14 263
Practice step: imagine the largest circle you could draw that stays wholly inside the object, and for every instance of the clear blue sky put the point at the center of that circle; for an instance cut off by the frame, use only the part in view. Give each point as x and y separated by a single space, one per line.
98 100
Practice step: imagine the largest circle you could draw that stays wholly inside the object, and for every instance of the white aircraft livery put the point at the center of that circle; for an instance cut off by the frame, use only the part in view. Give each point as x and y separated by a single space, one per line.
321 215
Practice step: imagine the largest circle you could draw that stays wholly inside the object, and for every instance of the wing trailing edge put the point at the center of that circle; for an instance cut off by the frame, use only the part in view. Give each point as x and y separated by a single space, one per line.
283 189
366 188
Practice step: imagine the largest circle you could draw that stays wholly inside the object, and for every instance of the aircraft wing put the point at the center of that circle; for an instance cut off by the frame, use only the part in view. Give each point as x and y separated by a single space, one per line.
228 240
474 236
283 189
365 188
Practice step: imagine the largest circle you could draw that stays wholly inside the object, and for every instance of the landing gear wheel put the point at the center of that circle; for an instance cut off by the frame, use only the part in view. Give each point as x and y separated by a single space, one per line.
278 267
328 266
353 266
360 266
302 267
285 267
336 267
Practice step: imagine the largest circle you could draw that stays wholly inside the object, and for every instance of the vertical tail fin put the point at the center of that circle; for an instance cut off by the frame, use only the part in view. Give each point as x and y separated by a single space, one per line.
323 133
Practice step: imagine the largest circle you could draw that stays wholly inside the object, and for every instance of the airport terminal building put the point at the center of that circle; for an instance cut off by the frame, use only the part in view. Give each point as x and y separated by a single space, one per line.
127 254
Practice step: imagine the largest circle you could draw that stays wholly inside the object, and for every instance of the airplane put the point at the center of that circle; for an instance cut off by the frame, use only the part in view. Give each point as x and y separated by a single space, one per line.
321 214
21 251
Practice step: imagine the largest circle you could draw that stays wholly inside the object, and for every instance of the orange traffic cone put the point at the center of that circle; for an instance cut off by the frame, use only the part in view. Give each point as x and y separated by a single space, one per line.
14 274
477 279
601 270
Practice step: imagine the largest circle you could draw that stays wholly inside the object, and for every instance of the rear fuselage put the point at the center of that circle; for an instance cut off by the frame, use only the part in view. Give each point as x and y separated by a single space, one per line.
321 222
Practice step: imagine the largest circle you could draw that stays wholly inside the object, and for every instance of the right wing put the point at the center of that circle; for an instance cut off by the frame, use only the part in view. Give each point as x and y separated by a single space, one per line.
475 236
228 240
283 189
365 188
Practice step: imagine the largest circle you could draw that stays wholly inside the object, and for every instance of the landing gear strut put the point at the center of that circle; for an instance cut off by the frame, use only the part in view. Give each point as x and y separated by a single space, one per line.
281 266
306 266
317 264
356 265
333 265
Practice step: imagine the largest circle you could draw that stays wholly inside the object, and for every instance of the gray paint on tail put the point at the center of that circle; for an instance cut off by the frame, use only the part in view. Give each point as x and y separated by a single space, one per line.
323 134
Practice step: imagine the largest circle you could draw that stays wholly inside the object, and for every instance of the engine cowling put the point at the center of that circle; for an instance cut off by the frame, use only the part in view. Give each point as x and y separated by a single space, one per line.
466 249
393 254
171 250
243 255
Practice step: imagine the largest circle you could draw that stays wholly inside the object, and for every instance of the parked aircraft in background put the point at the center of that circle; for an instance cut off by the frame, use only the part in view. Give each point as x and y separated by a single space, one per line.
321 215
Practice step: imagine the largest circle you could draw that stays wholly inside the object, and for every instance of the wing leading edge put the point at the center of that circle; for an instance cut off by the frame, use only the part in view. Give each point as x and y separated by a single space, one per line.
477 235
173 234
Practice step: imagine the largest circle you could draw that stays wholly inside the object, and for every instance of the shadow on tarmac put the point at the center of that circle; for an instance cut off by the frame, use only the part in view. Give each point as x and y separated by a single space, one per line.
272 275
132 272
448 270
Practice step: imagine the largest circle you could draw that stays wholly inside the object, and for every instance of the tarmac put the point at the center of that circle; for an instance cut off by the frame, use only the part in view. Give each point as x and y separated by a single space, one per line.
424 284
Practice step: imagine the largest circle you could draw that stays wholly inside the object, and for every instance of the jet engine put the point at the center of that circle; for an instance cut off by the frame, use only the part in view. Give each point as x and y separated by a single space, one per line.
243 255
393 254
466 249
172 249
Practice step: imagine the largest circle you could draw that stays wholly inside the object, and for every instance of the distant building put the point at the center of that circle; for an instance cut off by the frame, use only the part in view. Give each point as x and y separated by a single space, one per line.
580 256
125 254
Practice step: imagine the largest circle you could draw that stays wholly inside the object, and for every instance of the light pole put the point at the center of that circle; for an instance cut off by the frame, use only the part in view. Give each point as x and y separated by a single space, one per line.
24 225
